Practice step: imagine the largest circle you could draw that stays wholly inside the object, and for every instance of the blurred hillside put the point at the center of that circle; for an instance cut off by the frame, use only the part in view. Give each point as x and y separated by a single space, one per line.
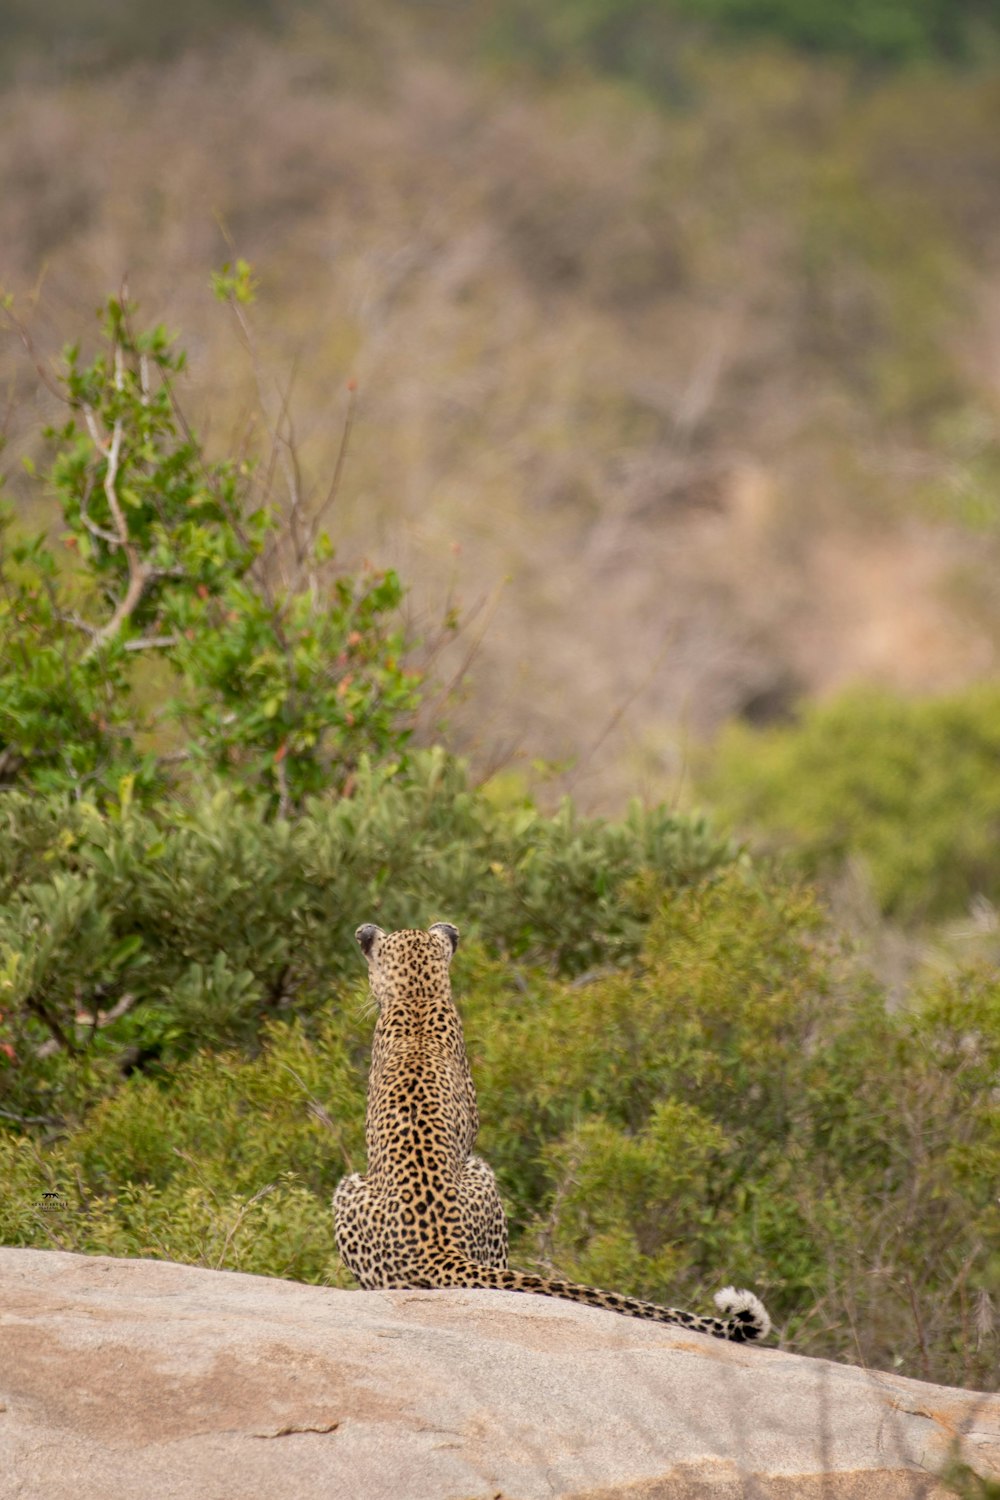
700 361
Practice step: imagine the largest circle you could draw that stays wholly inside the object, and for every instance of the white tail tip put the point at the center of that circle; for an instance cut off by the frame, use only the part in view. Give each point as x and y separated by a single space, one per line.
730 1301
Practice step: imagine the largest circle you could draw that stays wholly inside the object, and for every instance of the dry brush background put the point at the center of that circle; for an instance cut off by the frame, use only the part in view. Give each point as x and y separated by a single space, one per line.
693 406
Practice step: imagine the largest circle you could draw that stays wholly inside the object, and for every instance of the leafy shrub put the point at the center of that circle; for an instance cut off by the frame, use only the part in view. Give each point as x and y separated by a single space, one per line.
912 787
228 1167
735 1106
130 933
280 670
741 1105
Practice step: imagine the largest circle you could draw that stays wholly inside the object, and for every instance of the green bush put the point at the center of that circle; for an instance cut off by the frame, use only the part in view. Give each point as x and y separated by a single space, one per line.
735 1105
225 1168
130 933
279 669
740 1105
911 787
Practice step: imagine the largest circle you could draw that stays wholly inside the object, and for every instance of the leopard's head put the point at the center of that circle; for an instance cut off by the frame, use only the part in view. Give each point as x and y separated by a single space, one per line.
408 965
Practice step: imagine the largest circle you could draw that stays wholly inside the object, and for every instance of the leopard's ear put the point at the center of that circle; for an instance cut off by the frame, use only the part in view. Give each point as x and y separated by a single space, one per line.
366 935
447 931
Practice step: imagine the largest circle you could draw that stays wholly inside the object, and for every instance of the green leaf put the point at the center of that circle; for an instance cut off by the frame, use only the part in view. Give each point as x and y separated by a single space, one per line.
124 950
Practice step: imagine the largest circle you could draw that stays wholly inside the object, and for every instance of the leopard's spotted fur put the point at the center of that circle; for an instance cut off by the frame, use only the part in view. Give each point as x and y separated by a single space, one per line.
427 1213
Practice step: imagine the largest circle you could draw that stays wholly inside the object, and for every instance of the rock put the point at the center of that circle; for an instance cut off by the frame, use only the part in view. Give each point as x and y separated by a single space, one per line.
146 1379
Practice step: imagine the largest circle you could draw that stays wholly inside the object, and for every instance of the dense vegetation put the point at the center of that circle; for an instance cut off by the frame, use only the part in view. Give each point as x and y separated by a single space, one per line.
689 368
729 1104
682 1076
911 788
207 916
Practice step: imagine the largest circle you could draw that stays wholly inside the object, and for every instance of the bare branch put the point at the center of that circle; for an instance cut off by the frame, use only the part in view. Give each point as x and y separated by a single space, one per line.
918 1324
10 1114
338 469
96 1022
113 456
284 797
59 1035
102 1018
140 573
69 617
10 762
139 578
289 460
488 608
92 526
152 643
26 339
283 452
319 1112
620 711
237 1222
9 408
94 430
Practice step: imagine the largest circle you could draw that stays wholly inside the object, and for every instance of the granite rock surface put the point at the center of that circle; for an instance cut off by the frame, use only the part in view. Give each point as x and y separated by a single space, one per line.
147 1379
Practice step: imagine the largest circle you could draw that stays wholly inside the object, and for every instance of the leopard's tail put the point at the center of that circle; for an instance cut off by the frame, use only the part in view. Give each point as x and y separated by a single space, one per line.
744 1315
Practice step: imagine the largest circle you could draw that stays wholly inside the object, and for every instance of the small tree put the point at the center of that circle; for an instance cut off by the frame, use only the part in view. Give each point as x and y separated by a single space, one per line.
280 676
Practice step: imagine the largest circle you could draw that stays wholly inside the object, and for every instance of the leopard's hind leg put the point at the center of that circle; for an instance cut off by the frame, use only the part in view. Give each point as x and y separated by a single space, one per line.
483 1221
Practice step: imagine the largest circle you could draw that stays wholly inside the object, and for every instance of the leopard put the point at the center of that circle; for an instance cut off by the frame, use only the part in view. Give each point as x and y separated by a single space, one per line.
427 1211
